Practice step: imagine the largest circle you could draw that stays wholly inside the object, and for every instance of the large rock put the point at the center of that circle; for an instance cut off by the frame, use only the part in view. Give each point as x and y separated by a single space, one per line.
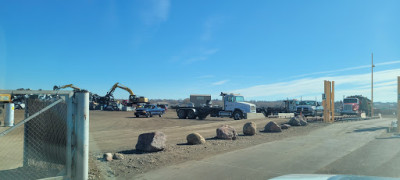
226 132
295 121
118 156
108 157
272 127
151 142
303 122
195 138
285 126
249 128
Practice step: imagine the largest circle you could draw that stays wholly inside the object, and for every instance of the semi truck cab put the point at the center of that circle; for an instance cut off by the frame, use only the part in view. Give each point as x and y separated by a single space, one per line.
234 106
351 106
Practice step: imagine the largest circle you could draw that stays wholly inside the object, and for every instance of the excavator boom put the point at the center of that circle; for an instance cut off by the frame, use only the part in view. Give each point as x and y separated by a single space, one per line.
132 97
66 86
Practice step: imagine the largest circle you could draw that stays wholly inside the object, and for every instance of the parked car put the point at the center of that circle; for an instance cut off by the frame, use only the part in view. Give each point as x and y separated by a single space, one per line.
164 106
149 110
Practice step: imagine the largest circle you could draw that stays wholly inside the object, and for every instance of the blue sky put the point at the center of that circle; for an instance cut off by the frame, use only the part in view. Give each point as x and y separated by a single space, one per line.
265 50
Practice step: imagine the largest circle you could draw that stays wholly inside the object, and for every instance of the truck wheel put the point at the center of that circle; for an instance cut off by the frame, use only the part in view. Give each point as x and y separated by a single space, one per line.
150 114
137 116
237 115
191 115
160 114
182 114
201 117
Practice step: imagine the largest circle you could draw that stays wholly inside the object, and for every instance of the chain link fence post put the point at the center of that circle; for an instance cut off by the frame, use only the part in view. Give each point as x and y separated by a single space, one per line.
82 135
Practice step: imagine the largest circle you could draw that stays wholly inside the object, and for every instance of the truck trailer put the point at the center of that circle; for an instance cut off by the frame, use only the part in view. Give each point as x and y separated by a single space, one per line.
201 106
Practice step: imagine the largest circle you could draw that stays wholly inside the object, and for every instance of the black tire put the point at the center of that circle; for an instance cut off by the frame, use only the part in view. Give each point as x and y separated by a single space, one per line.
160 115
191 115
237 115
181 114
147 115
137 116
150 114
201 117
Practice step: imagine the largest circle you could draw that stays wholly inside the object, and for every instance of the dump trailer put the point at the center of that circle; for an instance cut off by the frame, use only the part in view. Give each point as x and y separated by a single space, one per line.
355 105
201 106
287 106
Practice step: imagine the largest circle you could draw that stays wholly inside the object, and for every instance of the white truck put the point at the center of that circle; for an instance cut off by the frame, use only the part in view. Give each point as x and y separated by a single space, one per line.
233 107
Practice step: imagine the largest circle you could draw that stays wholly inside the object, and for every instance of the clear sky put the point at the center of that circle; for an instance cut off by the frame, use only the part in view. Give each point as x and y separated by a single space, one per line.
265 50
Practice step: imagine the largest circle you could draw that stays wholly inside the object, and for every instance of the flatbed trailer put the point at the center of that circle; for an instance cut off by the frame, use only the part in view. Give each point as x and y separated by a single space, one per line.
234 107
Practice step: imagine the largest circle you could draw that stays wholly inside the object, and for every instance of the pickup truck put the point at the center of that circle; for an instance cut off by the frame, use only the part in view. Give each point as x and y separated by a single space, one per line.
309 108
149 110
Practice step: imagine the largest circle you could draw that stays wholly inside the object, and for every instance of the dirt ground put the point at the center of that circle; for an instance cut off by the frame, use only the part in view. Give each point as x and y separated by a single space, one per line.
112 132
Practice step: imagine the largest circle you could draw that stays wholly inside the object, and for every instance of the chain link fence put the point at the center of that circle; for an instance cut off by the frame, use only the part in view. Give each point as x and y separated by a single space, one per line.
50 138
37 148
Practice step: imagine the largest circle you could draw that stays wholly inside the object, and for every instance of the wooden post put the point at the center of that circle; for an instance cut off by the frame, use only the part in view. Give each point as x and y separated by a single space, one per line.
329 100
333 101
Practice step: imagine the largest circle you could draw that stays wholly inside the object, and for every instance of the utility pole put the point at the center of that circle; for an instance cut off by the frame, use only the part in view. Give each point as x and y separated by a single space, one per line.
398 104
372 84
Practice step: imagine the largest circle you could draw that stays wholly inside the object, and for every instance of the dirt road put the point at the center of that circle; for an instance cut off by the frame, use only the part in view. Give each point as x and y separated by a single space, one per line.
360 148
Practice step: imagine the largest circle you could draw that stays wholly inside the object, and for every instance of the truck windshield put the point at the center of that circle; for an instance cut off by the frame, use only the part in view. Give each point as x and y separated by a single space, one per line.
239 98
350 101
311 103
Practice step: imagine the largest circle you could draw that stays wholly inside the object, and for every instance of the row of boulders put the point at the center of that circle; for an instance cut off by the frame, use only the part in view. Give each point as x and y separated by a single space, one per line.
155 141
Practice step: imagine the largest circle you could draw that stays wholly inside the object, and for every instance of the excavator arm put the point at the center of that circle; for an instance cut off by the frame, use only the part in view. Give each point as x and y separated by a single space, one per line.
132 97
126 89
66 86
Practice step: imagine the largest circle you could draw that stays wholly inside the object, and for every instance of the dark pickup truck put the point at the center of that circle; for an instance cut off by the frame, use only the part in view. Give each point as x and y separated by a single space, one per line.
149 110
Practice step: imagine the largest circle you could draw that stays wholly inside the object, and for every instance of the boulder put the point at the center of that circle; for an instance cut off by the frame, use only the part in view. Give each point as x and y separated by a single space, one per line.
285 126
108 157
118 156
272 127
226 132
295 121
249 129
303 122
151 142
195 138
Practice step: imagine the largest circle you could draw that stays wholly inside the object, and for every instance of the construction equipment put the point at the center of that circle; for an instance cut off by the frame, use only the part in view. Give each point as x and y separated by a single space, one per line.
5 98
56 88
108 99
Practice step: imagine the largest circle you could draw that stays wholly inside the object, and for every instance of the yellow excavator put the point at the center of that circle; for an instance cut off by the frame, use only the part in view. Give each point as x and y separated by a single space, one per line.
56 88
133 99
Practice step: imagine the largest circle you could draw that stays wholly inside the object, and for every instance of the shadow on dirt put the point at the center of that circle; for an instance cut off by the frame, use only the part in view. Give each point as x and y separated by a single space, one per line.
133 151
371 129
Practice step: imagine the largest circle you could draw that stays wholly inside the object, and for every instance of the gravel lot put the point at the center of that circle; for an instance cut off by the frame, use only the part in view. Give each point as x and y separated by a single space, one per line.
118 131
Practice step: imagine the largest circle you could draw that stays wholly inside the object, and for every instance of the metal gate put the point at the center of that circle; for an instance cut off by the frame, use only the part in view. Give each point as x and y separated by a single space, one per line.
49 139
